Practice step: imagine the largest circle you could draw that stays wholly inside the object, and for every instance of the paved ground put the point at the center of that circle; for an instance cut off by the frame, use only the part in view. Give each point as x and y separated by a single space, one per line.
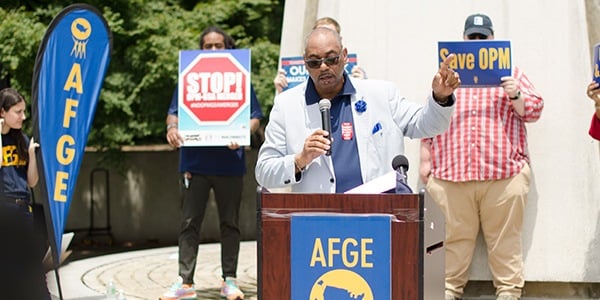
146 274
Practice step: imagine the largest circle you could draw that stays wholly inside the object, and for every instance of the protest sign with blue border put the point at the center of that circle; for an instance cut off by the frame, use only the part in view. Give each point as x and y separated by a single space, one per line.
214 97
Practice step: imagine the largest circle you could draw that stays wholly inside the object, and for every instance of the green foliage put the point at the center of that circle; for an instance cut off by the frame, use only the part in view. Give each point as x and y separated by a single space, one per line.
147 36
21 35
265 57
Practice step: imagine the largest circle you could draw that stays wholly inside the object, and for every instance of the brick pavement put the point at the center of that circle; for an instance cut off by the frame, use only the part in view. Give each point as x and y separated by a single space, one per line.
146 274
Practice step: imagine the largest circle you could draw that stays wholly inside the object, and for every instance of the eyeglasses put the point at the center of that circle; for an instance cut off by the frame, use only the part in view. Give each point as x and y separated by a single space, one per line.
477 36
316 63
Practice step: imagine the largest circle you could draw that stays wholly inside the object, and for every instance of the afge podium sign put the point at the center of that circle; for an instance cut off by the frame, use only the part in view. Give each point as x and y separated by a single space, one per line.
340 256
214 97
478 62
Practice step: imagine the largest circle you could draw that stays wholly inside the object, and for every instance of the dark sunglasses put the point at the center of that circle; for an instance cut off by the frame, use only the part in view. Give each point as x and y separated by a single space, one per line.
477 36
316 63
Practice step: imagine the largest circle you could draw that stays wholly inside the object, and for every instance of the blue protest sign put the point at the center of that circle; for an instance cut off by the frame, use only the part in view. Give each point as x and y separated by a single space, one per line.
596 71
478 62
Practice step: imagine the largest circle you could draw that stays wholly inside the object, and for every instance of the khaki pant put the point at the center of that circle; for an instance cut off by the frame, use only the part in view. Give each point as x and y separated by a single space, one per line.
496 205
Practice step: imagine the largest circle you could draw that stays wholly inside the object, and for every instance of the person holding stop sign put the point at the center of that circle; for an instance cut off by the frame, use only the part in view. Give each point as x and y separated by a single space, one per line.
220 168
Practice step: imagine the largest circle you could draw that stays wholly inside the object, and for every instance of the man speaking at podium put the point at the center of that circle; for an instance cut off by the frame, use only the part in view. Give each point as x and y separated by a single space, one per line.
368 119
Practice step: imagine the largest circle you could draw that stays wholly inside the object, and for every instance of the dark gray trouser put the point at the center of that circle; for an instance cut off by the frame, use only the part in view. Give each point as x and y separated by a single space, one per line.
228 195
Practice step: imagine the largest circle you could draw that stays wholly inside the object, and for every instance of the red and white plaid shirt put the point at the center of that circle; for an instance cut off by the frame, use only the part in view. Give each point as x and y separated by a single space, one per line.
487 139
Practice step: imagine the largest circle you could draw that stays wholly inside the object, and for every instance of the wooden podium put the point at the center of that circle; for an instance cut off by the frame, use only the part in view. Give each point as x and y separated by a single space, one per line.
409 254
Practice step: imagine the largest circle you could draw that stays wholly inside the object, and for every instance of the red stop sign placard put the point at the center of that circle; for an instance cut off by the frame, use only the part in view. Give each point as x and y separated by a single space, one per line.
215 87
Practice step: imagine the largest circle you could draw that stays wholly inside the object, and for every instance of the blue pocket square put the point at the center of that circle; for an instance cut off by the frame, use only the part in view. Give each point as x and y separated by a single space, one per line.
377 128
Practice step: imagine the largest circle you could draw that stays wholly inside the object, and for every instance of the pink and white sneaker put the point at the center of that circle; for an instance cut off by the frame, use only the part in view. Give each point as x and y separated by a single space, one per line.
230 290
180 291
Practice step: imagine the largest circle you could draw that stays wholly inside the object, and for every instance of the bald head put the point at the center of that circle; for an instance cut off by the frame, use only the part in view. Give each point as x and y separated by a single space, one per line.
328 22
322 36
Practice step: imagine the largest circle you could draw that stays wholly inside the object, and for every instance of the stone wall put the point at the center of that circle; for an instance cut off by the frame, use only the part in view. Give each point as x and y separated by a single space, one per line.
143 199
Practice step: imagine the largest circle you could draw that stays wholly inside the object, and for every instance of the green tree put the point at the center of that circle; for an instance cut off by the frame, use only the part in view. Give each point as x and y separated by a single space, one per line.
147 36
21 32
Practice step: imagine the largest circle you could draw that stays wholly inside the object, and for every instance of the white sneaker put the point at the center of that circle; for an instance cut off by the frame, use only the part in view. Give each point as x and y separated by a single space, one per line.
180 291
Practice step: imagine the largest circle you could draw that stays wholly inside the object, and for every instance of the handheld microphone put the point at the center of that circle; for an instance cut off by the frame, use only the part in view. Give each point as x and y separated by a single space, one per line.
324 107
400 164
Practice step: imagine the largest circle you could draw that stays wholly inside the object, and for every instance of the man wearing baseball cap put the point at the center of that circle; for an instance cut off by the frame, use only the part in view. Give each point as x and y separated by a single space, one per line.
478 25
478 172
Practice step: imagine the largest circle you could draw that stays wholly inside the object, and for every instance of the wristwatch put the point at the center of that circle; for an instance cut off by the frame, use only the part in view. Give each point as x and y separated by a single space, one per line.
171 125
515 97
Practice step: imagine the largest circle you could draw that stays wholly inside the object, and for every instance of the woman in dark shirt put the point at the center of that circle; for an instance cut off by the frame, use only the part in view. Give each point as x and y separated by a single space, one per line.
22 274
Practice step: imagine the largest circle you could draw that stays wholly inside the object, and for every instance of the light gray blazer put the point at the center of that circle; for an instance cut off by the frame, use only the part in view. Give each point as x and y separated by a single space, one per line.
291 121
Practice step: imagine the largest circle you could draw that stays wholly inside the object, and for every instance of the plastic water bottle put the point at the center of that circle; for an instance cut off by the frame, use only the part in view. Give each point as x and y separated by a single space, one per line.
120 295
111 290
